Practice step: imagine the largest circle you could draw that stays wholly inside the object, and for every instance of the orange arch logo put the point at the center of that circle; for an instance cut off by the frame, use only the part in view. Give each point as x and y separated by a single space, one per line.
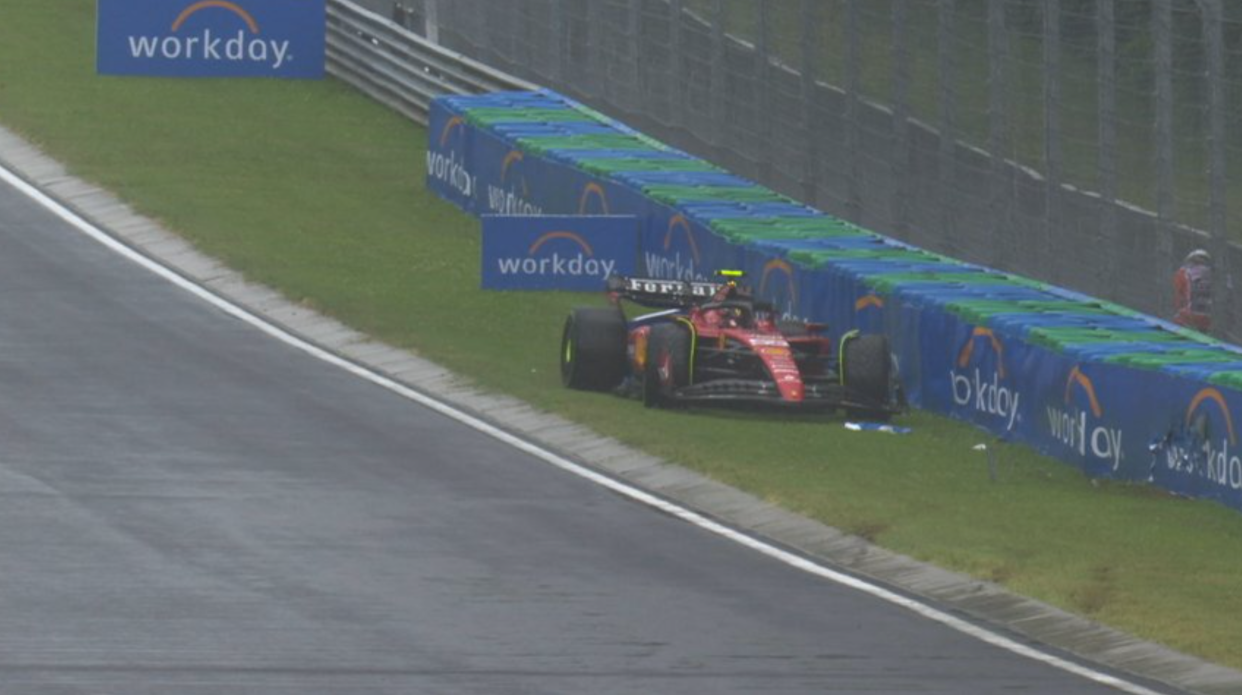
1077 378
510 160
968 350
783 266
453 123
222 4
570 236
593 191
1212 395
871 300
680 222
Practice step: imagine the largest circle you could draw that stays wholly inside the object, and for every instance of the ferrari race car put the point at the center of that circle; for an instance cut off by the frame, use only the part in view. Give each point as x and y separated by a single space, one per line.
713 343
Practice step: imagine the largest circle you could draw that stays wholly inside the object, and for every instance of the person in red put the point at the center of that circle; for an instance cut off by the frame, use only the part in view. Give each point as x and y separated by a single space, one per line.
1192 292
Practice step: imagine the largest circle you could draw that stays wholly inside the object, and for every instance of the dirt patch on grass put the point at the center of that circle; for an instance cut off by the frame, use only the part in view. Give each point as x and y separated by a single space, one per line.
869 530
1095 593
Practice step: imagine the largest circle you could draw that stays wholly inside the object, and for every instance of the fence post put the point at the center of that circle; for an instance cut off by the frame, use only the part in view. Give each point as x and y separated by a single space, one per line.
595 82
1166 201
810 181
678 57
1213 29
556 30
948 139
853 195
999 186
1053 166
766 91
431 20
718 101
1106 30
900 169
634 42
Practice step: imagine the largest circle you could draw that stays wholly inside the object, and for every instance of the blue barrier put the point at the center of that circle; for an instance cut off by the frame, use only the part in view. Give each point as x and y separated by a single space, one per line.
1118 394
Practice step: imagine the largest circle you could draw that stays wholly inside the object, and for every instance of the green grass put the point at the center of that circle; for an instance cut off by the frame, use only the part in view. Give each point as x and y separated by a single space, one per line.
313 189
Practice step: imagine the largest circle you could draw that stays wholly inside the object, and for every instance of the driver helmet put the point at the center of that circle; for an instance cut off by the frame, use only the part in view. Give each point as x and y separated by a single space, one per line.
1199 256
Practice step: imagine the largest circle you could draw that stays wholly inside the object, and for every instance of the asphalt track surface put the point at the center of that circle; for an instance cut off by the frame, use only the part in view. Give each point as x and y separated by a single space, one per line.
189 506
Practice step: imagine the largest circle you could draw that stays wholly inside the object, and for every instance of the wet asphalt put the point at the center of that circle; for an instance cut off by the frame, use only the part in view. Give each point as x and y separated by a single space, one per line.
189 506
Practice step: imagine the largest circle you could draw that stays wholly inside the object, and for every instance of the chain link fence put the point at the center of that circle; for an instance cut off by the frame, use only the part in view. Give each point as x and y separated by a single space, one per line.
1081 142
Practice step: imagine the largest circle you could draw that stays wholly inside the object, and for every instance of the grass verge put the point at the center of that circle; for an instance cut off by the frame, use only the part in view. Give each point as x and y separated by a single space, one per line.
313 189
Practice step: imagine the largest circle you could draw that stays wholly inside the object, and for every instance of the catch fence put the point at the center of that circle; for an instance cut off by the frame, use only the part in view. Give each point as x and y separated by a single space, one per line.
1080 142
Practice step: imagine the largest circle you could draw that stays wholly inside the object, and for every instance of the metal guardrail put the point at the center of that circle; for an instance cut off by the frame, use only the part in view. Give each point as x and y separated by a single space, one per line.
399 68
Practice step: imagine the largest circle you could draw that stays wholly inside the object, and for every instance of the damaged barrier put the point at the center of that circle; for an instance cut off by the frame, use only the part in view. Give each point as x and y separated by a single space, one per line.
1119 394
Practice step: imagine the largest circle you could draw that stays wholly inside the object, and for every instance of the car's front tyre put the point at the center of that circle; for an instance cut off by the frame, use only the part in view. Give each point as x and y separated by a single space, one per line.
866 365
593 348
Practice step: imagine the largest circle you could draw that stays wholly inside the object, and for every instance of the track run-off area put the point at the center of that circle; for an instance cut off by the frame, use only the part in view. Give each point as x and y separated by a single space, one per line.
198 500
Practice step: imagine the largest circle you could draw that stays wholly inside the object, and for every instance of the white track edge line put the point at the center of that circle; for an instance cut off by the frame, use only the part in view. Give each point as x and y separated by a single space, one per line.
789 558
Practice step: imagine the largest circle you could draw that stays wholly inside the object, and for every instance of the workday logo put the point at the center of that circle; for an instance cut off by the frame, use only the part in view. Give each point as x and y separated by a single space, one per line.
677 257
1078 423
977 378
1210 447
568 255
530 252
512 196
593 201
1209 408
778 284
446 164
211 38
870 301
454 126
869 312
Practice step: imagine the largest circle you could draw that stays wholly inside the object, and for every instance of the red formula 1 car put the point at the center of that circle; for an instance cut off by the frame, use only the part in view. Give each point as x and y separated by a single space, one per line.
712 343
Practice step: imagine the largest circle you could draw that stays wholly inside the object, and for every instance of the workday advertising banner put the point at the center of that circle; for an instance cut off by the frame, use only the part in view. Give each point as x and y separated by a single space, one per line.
484 175
211 38
452 169
1109 420
557 252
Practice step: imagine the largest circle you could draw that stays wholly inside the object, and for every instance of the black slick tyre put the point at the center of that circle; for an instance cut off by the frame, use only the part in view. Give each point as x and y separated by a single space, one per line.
866 365
593 349
668 364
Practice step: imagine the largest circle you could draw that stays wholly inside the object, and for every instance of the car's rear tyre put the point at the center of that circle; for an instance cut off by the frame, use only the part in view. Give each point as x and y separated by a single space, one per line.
668 364
593 348
866 367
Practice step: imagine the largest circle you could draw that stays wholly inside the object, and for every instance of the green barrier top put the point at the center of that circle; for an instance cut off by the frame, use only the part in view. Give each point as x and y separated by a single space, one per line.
596 115
544 144
1156 360
671 195
1196 336
815 258
788 228
742 236
1058 337
888 282
1070 306
978 311
601 166
1228 379
815 223
491 115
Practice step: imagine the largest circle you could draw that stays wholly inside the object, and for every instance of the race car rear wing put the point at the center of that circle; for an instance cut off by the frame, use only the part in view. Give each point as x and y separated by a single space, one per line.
657 293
